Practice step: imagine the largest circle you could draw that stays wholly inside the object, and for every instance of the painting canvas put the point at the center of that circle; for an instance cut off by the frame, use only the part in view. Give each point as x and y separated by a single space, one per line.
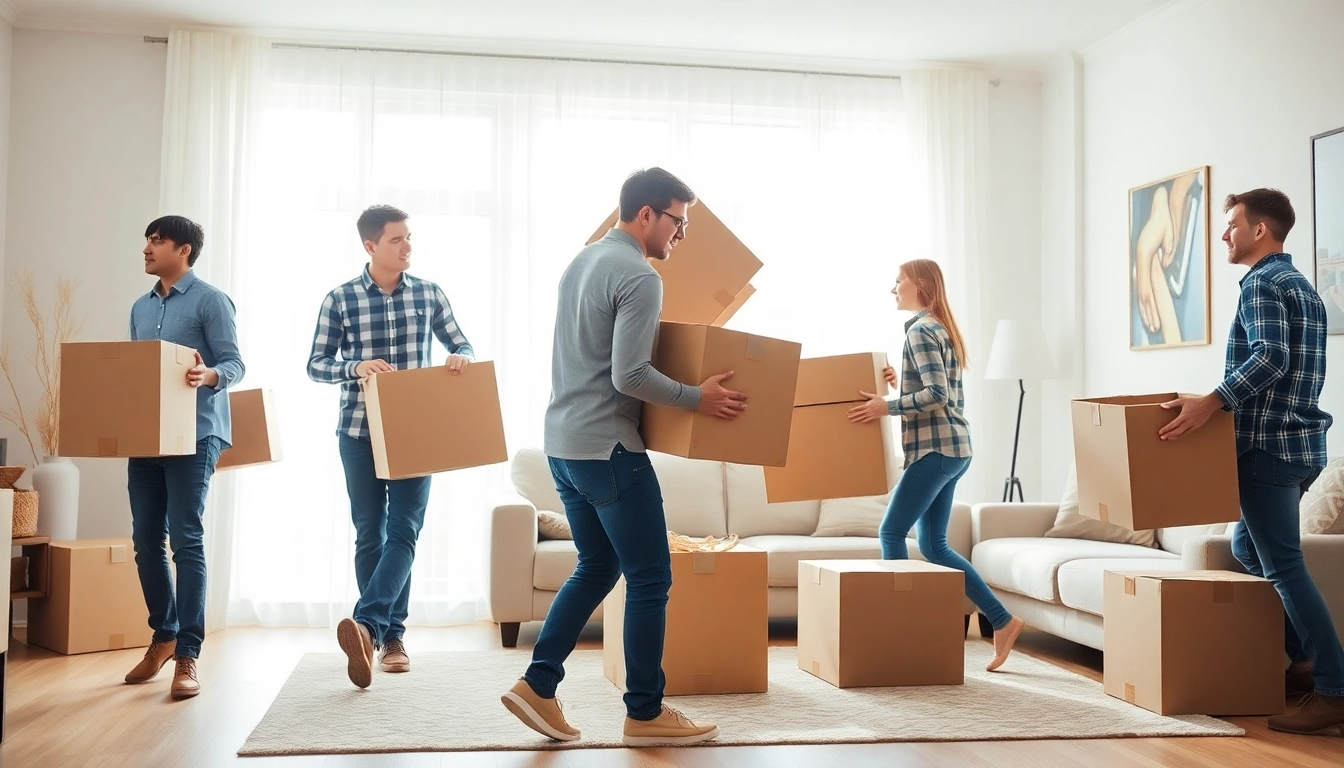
1327 198
1169 261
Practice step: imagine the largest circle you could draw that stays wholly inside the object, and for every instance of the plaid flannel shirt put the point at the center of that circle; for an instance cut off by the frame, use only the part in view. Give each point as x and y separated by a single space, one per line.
1276 364
932 400
359 322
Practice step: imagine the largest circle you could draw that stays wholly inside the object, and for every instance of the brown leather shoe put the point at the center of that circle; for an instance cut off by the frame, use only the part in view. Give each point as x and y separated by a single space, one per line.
1298 684
358 646
393 658
156 656
1318 714
185 684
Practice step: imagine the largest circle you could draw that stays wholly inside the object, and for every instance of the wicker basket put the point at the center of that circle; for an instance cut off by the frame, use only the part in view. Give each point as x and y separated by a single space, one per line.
25 514
10 475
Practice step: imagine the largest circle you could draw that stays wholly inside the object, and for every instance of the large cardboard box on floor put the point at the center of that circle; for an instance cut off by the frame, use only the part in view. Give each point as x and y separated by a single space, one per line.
881 622
1194 643
829 456
427 420
94 603
717 633
126 398
1128 476
765 369
255 428
704 280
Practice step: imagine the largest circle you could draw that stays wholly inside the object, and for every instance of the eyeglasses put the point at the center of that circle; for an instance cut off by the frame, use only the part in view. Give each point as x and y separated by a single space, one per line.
681 222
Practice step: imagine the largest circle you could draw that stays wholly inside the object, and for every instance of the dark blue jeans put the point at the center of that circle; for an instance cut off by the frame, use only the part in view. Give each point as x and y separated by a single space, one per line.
615 510
924 497
1268 543
167 496
388 516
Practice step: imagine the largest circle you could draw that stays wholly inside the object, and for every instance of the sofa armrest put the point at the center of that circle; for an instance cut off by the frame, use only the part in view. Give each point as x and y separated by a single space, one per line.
1011 520
959 529
1209 553
513 552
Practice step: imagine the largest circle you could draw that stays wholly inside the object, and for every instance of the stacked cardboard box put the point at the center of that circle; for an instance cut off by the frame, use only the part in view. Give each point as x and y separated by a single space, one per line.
95 602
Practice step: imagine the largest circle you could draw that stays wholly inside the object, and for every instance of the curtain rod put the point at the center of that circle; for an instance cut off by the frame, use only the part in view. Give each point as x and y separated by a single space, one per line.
575 59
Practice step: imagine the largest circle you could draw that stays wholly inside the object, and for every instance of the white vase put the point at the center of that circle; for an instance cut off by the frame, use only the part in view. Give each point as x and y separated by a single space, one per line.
56 480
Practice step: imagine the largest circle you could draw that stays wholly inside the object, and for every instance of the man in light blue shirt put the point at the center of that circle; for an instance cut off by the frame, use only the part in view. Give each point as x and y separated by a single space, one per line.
167 493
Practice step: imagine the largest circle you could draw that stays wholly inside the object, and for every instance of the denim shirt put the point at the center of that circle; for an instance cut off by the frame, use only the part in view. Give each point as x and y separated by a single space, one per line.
198 315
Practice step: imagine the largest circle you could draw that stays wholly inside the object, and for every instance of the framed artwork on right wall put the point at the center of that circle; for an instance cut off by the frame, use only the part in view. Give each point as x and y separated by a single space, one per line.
1327 220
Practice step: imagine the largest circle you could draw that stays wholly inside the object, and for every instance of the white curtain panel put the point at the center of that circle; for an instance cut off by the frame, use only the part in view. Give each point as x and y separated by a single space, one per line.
947 113
213 87
506 166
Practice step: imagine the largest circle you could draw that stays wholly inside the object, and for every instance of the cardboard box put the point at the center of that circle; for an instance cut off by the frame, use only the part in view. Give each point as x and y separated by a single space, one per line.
881 622
1194 643
255 428
1130 477
765 369
126 398
707 272
738 302
829 456
426 420
7 523
95 602
717 633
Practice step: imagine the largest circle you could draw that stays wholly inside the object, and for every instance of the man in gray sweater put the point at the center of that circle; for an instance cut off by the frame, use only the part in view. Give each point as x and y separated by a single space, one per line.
601 374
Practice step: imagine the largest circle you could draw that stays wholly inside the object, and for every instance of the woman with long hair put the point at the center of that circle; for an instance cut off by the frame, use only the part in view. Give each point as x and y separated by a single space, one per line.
936 437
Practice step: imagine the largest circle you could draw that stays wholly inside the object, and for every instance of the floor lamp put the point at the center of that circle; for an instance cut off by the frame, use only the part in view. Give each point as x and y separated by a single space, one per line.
1018 352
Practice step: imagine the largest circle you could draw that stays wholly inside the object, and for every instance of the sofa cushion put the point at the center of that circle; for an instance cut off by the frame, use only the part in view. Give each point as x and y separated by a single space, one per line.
556 560
531 475
1173 539
1070 524
1027 565
553 525
692 494
856 516
1322 509
750 515
1082 582
784 552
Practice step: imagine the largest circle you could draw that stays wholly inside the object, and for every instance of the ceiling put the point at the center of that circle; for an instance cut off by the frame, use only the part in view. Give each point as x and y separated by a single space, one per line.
1005 33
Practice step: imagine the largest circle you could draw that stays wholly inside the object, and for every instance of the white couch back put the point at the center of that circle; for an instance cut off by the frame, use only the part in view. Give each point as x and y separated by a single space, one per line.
692 490
750 515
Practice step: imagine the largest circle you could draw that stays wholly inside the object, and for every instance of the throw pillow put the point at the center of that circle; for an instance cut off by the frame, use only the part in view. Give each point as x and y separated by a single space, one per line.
553 525
1323 506
1069 524
858 516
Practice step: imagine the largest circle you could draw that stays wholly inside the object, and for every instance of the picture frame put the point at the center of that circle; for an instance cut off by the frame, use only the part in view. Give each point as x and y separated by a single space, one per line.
1327 223
1169 246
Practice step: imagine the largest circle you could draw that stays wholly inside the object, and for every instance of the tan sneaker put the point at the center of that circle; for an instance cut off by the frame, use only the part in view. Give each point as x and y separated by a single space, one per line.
669 727
545 716
156 656
358 646
185 683
393 658
1318 714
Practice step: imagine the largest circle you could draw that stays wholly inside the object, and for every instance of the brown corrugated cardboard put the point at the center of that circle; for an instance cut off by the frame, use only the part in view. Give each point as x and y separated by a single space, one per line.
1128 476
717 625
95 602
426 420
706 272
765 369
738 302
881 622
830 457
126 398
1194 643
255 428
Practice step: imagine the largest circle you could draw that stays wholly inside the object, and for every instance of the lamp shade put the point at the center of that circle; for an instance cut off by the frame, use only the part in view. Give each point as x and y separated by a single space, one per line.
1019 352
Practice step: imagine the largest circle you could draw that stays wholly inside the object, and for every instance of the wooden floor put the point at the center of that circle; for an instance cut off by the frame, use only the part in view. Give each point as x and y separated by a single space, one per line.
67 711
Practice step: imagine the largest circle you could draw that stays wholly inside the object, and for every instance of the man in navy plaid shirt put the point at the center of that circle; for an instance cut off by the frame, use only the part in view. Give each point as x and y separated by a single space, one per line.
383 320
1274 374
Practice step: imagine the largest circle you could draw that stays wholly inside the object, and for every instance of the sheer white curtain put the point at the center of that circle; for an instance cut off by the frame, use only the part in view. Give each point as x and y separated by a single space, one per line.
213 85
948 116
505 167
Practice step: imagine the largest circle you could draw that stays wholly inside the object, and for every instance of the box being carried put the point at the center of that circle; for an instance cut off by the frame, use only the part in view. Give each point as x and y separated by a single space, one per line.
255 423
126 398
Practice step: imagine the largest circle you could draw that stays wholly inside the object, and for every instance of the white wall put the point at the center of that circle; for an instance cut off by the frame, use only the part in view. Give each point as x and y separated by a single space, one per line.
86 120
1240 86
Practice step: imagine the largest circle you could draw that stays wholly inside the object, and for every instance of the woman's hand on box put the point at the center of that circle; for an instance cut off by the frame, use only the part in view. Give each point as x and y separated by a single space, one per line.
872 410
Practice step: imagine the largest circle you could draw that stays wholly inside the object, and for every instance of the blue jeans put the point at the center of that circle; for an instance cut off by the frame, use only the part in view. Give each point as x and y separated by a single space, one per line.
924 497
388 516
1268 543
167 496
615 510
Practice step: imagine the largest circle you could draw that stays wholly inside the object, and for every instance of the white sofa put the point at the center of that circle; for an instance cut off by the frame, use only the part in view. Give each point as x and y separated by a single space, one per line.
1056 584
701 498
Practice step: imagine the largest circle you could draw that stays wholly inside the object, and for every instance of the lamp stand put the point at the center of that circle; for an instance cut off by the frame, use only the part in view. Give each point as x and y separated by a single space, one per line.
1012 483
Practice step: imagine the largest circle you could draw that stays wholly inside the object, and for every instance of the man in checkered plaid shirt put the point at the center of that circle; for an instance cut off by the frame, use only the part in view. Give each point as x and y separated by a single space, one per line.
1272 383
383 320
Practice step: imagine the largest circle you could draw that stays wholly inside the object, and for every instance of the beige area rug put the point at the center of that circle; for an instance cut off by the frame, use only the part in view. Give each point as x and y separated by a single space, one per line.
450 702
